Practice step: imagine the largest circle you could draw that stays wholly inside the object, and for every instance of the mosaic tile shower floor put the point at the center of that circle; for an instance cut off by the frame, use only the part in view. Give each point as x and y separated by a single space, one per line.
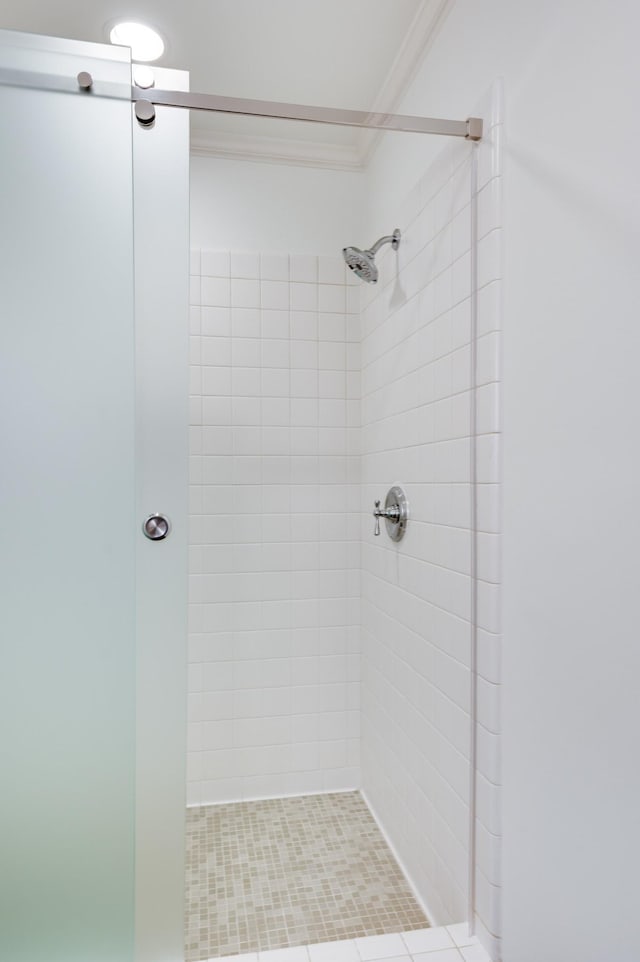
290 871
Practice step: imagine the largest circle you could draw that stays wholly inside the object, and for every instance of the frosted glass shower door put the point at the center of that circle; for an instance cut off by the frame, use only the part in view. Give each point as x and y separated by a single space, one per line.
67 578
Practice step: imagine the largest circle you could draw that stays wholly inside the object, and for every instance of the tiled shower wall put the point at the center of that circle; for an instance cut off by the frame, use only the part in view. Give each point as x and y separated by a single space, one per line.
417 595
275 554
416 385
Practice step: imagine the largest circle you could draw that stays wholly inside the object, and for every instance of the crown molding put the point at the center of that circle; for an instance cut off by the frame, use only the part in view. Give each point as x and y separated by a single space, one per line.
422 31
418 40
274 150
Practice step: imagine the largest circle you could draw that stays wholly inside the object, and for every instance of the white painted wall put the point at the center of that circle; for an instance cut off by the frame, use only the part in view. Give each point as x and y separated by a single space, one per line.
572 342
572 664
238 205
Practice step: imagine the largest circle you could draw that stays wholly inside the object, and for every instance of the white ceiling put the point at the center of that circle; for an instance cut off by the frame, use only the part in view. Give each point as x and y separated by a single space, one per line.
358 54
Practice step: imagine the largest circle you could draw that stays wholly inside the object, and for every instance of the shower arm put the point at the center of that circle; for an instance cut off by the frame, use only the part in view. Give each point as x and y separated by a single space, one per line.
393 239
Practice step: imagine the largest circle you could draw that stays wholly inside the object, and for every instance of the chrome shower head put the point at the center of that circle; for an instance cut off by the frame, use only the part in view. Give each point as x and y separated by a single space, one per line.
363 263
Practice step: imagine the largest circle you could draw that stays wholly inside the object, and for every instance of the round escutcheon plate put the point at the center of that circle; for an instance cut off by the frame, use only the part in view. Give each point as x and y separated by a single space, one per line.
396 498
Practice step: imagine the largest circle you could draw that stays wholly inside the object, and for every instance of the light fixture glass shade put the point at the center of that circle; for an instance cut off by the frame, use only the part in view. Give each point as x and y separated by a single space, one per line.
146 45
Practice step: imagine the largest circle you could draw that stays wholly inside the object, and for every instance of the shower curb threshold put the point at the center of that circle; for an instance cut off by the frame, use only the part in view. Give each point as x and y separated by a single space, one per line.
439 944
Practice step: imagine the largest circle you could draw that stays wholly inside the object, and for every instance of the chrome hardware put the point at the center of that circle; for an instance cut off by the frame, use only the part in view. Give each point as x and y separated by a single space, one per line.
156 527
474 128
363 263
145 113
319 115
85 80
376 515
395 513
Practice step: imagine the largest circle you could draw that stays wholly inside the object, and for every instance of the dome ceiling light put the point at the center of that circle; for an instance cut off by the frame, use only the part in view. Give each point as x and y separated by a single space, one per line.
146 44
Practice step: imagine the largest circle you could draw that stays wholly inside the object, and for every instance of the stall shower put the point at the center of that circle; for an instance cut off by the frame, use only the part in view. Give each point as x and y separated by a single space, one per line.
329 685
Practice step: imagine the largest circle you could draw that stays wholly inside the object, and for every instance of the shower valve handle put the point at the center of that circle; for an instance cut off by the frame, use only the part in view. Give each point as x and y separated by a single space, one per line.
392 513
395 513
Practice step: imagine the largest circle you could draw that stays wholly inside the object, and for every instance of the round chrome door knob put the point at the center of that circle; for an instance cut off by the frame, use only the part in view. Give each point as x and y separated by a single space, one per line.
156 527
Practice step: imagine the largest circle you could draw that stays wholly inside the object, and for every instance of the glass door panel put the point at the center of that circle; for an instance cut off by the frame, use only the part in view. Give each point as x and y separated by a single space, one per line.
68 511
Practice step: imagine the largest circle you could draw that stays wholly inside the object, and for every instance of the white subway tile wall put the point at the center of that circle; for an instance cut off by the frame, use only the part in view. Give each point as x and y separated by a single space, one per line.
417 385
274 541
